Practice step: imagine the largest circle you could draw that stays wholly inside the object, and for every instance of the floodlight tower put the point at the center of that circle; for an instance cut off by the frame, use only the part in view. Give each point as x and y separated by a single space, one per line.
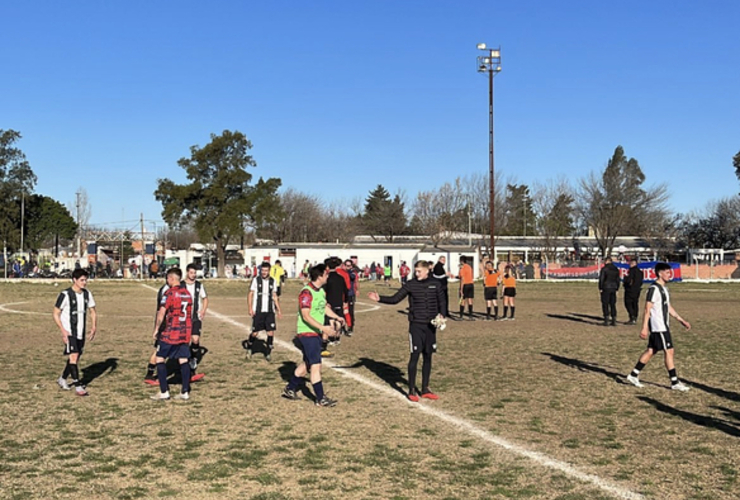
490 63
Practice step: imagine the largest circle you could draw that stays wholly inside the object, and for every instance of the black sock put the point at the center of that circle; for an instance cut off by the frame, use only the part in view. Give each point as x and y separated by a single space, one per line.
65 373
185 375
462 311
495 311
673 376
470 309
150 368
75 373
318 389
512 311
637 369
506 310
488 311
270 341
162 377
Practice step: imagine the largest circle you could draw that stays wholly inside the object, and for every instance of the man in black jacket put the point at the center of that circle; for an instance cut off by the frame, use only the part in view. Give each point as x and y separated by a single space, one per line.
608 286
440 273
426 302
632 288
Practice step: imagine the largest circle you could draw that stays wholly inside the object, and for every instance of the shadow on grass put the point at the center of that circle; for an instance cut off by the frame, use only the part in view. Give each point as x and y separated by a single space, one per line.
390 374
579 318
585 366
95 370
728 413
286 371
732 396
694 418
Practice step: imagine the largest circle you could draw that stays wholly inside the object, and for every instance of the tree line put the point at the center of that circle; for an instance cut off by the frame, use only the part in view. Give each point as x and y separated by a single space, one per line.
221 202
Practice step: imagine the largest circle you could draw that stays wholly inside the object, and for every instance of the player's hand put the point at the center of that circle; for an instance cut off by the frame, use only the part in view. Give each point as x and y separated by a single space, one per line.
65 336
327 330
251 313
373 296
685 324
280 314
644 334
154 335
93 331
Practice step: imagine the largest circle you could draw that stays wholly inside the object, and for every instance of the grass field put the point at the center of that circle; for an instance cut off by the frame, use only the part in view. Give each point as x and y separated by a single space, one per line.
530 409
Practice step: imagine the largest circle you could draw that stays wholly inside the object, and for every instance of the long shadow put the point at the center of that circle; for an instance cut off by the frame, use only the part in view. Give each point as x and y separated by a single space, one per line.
95 370
286 373
589 367
732 396
728 413
587 316
570 318
694 418
390 374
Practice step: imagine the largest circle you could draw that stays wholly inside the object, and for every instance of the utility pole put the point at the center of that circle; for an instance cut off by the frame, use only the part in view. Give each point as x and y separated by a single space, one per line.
143 249
23 210
79 228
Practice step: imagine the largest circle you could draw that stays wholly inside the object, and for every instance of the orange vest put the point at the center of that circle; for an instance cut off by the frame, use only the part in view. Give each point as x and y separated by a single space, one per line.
492 279
466 274
510 282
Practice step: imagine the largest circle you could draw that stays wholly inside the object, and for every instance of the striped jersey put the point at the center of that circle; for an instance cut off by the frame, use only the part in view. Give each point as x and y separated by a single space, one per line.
659 318
73 307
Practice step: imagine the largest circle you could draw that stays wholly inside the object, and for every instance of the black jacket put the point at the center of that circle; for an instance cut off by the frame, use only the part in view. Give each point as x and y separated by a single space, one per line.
633 280
425 299
609 277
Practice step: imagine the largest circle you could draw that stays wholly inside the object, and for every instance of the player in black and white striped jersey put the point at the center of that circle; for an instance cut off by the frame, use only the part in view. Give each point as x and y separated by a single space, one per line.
263 304
70 315
655 328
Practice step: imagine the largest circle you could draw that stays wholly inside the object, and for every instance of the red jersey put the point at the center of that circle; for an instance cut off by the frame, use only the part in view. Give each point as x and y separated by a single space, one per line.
178 315
344 274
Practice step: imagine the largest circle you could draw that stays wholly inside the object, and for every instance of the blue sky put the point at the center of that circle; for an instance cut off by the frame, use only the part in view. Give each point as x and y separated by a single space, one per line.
338 97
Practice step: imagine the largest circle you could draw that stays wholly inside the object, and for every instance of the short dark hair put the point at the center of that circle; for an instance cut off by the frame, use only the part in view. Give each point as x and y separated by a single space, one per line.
79 273
317 271
333 262
266 264
277 262
661 266
175 270
192 265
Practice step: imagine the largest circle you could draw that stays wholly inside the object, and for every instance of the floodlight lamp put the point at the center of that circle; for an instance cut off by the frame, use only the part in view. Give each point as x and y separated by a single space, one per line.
486 60
482 68
496 53
481 46
498 68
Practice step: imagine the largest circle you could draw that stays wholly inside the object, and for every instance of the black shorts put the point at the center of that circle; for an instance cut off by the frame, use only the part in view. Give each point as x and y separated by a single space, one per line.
197 324
339 311
660 341
263 321
490 292
277 291
74 345
510 292
468 291
422 338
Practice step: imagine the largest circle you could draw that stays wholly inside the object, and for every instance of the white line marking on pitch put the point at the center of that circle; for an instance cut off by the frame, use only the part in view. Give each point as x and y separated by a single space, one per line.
540 458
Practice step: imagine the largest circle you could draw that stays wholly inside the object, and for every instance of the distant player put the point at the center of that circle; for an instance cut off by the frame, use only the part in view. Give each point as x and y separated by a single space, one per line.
151 369
509 292
312 311
277 273
467 289
354 287
426 300
177 311
655 328
200 306
632 288
263 303
336 298
490 289
70 315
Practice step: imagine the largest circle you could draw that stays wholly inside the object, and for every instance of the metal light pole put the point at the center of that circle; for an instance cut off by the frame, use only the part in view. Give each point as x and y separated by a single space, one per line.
490 63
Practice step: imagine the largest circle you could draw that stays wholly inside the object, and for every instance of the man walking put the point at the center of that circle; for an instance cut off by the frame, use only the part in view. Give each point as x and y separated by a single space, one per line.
632 288
200 305
263 303
608 286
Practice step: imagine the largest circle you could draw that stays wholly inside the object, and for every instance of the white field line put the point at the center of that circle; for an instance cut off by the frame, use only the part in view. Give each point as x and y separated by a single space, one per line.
541 459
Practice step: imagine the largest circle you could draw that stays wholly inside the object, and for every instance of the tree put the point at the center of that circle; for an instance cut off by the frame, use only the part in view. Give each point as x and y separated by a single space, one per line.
553 203
717 227
519 216
47 221
384 216
736 164
616 204
219 201
17 182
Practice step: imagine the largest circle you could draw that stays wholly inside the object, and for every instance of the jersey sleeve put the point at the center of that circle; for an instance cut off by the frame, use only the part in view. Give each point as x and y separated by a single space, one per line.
91 300
203 294
61 299
253 285
305 299
650 296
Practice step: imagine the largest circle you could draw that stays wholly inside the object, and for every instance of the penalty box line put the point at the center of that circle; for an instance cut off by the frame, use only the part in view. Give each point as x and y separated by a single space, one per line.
463 425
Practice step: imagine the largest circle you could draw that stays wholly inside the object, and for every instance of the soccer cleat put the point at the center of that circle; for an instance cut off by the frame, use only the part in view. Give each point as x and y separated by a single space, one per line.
151 381
679 386
512 318
184 396
413 396
193 364
325 401
427 394
348 333
161 396
327 354
634 381
290 394
63 384
268 356
197 376
81 391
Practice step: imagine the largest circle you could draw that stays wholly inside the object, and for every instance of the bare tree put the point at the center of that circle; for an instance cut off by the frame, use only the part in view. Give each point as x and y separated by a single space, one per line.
553 204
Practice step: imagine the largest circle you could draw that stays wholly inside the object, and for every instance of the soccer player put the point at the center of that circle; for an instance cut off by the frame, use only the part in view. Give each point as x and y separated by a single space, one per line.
490 290
632 289
177 310
263 302
404 272
70 315
277 273
354 287
655 328
509 292
310 328
440 272
200 305
151 369
336 298
426 302
608 286
467 289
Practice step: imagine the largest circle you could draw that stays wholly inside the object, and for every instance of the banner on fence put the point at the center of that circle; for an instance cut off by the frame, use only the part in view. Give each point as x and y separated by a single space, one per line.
592 272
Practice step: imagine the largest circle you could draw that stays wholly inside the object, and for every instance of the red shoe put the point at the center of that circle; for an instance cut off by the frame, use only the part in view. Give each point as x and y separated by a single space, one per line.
151 381
413 397
197 376
429 395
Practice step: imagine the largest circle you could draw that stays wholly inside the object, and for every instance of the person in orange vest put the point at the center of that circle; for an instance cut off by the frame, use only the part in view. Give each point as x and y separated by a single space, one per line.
467 290
509 292
490 290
